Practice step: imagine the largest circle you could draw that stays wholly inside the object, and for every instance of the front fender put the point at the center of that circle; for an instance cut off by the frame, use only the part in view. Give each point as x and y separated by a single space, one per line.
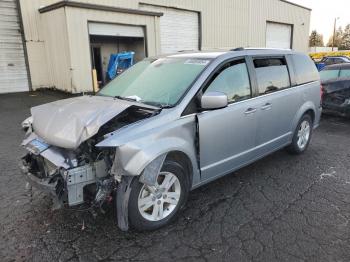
146 154
132 157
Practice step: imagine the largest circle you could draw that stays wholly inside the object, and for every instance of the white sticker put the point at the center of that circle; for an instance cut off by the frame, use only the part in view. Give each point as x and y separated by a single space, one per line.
201 62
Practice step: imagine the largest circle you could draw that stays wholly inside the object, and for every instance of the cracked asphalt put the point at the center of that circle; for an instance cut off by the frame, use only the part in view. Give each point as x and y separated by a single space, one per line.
282 208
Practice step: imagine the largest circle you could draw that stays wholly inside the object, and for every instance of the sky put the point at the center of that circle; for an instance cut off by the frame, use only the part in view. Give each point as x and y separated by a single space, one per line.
324 12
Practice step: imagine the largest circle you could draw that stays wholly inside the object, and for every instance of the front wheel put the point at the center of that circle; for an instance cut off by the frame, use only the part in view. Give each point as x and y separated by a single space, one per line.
153 207
302 135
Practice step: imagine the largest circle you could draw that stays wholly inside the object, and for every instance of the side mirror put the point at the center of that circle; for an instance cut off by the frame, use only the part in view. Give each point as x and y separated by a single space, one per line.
214 100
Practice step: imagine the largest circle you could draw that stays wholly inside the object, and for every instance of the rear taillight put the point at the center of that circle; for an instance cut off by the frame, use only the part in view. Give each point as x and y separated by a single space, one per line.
321 93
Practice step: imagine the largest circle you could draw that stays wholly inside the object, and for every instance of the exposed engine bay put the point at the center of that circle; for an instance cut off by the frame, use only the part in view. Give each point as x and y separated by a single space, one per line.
80 176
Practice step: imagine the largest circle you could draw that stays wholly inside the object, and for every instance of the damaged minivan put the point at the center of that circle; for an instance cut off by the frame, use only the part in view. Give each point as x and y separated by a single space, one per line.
168 125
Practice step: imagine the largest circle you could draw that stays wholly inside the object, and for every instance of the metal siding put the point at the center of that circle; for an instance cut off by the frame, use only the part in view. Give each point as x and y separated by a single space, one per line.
179 29
232 23
57 49
108 29
224 24
78 38
13 71
34 39
281 12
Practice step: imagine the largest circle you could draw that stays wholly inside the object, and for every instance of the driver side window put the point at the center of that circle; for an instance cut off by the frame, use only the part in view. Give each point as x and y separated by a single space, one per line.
233 80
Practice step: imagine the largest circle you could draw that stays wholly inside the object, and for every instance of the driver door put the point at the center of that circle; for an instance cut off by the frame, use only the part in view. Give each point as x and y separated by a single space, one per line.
227 137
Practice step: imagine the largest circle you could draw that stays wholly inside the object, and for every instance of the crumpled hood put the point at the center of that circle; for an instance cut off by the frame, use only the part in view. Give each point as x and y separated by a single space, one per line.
69 122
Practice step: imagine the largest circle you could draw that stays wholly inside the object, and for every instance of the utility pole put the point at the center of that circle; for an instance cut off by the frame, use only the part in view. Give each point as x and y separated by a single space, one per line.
335 28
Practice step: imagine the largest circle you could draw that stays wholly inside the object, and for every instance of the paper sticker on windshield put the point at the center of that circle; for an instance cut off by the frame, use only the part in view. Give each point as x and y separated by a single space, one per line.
201 62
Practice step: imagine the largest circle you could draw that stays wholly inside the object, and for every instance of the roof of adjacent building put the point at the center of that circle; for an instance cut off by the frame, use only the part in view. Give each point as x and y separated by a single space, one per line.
301 6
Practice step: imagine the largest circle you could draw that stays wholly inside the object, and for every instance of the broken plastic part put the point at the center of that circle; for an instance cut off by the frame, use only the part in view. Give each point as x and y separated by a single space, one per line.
150 174
122 202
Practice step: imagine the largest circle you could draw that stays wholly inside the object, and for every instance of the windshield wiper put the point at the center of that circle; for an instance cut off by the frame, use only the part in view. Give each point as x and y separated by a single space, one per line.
157 104
126 98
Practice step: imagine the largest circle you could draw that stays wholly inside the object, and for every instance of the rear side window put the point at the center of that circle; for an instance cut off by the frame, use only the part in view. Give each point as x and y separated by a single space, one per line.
305 69
272 75
338 61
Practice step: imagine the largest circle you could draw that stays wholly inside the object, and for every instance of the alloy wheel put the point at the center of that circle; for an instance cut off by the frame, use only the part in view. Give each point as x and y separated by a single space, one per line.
158 202
304 134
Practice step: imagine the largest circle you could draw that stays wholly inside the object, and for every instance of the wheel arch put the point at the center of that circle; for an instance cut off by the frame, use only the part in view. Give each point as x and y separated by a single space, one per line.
184 160
311 112
306 108
134 159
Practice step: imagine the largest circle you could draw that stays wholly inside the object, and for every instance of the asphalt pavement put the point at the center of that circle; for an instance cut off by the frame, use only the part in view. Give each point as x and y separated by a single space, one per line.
281 208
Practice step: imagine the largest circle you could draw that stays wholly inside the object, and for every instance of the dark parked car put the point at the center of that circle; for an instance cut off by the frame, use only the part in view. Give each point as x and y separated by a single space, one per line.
332 60
336 86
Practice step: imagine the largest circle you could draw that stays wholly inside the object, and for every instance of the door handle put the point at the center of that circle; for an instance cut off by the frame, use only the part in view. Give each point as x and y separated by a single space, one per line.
267 106
250 111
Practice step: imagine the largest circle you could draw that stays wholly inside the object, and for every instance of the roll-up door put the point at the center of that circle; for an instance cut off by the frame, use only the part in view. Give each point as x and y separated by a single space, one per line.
104 29
179 29
13 71
278 35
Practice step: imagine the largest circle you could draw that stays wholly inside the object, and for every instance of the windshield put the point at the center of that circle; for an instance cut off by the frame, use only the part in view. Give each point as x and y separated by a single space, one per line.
160 82
329 74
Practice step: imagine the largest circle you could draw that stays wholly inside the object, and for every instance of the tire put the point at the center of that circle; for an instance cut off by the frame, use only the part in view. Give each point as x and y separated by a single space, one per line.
144 220
297 147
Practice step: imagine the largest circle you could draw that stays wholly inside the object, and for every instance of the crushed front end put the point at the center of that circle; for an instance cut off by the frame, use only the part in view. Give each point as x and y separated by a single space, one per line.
73 177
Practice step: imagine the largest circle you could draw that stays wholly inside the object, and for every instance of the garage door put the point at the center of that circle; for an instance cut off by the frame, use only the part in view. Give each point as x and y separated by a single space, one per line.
278 35
13 72
103 29
179 29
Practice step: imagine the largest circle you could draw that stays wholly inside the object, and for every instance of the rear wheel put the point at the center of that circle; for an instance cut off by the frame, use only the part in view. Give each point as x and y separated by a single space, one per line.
153 207
302 135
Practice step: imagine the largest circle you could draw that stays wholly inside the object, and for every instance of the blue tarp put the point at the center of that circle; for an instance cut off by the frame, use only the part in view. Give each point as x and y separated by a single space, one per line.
320 66
119 62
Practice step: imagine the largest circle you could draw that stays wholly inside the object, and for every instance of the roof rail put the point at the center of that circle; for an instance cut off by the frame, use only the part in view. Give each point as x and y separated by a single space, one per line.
266 48
188 50
238 49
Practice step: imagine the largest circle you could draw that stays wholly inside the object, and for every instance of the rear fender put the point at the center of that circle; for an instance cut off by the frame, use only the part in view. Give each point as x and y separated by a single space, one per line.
305 107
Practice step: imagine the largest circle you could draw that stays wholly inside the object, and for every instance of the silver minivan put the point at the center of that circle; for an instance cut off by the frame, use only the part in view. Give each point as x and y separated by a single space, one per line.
168 125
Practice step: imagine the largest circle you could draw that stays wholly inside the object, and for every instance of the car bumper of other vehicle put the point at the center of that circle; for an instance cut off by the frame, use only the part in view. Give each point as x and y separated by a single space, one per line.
331 106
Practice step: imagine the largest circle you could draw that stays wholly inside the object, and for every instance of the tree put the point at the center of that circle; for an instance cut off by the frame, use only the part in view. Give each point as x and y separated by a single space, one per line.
345 40
315 39
337 39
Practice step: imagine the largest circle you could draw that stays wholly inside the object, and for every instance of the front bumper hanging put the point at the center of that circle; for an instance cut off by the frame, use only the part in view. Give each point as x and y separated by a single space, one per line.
67 185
